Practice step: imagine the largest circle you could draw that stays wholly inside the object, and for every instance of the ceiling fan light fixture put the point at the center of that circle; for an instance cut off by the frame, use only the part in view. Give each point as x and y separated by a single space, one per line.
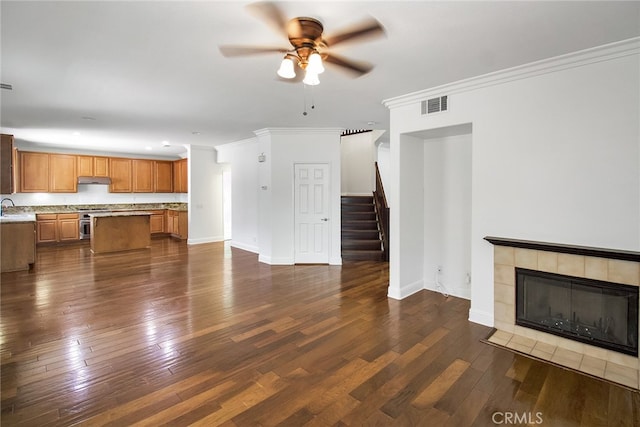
315 64
311 78
286 70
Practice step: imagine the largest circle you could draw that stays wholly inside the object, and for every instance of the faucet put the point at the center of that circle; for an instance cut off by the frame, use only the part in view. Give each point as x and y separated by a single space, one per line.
2 201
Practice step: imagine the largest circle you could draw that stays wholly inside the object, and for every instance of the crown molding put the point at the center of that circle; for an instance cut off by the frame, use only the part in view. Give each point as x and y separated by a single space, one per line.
550 65
294 131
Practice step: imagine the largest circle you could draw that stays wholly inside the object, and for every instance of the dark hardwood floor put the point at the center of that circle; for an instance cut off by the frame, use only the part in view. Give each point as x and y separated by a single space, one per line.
206 335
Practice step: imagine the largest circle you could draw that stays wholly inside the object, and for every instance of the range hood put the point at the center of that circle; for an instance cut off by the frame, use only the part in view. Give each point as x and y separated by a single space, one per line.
104 180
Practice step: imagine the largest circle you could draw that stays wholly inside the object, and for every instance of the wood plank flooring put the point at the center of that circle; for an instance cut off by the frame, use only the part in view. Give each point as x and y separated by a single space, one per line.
205 335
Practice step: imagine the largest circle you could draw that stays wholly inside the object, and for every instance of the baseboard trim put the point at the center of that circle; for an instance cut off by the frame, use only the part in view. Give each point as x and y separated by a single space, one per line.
205 240
243 246
406 290
481 317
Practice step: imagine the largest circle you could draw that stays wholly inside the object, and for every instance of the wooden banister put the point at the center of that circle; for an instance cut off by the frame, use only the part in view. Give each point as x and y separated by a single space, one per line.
382 210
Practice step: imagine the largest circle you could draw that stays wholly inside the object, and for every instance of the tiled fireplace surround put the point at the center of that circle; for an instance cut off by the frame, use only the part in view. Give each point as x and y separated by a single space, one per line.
593 263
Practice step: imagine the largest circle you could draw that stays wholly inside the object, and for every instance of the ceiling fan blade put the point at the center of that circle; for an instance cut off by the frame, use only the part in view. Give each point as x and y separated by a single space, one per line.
231 51
368 29
270 13
357 67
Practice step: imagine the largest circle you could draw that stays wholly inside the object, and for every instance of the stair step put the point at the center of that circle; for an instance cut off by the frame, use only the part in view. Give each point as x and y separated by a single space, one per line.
358 216
350 255
357 199
360 225
352 244
352 207
360 234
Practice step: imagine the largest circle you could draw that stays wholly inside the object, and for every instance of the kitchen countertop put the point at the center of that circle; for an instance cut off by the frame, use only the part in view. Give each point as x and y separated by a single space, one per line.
110 214
56 209
17 218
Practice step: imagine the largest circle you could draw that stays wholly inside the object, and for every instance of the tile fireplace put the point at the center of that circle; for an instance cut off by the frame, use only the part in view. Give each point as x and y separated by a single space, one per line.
578 306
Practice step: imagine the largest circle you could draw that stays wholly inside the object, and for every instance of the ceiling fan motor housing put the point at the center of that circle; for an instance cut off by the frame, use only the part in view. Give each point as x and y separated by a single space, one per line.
305 35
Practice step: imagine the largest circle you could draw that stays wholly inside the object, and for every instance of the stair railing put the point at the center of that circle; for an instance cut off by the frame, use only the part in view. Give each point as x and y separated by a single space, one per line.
382 210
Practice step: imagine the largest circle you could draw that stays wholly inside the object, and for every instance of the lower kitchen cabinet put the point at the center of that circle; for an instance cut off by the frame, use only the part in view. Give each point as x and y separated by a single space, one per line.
156 222
177 224
68 227
51 228
46 228
18 246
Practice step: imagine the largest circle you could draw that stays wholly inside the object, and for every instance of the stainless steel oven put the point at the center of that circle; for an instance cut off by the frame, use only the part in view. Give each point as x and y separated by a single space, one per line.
85 222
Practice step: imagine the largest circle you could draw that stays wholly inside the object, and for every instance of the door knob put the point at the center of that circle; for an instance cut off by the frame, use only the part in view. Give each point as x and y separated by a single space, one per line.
324 219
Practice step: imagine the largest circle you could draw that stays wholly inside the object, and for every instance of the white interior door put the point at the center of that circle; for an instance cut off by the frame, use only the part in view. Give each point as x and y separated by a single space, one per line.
311 213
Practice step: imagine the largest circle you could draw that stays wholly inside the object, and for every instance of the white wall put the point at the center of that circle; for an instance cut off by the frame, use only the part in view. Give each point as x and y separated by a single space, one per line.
447 219
357 158
262 203
90 194
555 157
242 158
205 196
284 148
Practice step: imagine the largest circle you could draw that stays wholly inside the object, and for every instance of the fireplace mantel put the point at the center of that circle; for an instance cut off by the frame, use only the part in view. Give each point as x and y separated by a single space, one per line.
566 249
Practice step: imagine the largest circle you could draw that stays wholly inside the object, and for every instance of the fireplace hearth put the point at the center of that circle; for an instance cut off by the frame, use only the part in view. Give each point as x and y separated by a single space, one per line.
599 313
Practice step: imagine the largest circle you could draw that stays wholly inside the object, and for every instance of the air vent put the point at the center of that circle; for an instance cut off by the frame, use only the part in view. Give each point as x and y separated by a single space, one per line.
434 105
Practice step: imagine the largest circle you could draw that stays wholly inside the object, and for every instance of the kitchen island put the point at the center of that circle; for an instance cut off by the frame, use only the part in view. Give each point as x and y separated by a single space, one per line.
18 242
120 231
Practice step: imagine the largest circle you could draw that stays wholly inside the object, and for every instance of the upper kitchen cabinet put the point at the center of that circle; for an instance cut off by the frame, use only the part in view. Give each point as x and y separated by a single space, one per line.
120 173
48 173
34 172
163 176
93 166
143 176
7 183
180 176
63 173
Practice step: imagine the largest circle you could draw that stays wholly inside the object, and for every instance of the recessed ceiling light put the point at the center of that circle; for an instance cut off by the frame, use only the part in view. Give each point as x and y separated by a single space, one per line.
166 144
195 132
76 133
148 148
88 118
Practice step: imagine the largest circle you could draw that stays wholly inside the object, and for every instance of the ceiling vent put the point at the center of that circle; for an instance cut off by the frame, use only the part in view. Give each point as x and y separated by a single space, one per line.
435 105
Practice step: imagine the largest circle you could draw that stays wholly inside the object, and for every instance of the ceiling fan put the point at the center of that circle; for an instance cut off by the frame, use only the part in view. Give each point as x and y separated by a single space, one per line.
309 46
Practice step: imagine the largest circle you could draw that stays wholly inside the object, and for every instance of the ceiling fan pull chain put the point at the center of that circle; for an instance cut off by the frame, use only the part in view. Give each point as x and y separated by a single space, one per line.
313 103
304 97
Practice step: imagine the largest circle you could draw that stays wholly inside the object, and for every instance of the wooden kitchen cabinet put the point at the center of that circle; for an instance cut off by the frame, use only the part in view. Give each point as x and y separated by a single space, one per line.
51 228
120 171
177 223
85 165
7 183
63 175
163 176
46 228
142 171
18 246
68 227
93 166
156 222
34 172
180 176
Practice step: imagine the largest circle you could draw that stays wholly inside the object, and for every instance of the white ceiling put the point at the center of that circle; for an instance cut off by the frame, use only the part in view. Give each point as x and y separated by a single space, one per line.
120 76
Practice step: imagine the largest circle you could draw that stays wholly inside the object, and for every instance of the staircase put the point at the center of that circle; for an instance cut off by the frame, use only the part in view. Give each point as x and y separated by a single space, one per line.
360 233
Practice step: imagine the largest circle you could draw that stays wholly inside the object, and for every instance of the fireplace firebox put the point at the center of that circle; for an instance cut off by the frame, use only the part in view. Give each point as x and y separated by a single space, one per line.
602 314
